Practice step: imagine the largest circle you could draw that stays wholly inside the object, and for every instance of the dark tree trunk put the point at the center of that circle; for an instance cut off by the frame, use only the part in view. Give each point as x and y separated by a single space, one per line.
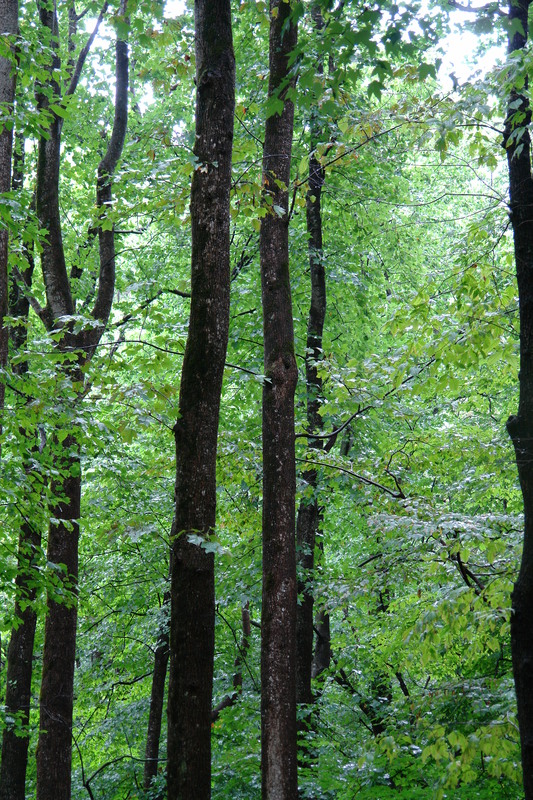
192 625
278 618
309 512
19 669
20 651
155 716
158 690
520 426
322 655
54 752
9 23
240 659
309 518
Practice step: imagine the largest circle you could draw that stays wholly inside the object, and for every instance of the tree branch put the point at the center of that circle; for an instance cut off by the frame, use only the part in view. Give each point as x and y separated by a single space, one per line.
490 8
399 495
149 302
34 303
106 169
84 52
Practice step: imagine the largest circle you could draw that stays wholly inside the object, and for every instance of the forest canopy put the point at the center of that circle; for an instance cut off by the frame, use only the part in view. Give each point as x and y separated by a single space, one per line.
265 314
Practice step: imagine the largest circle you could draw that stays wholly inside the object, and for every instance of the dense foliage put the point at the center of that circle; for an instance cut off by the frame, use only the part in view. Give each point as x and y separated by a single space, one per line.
421 528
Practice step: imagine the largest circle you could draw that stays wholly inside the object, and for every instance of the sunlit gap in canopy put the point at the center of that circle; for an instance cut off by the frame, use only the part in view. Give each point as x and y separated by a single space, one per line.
106 36
463 55
174 8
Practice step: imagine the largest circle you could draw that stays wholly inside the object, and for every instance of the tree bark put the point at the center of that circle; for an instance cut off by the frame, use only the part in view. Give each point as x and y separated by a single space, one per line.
20 651
278 618
240 659
9 29
54 752
520 426
157 695
192 581
19 669
309 511
322 654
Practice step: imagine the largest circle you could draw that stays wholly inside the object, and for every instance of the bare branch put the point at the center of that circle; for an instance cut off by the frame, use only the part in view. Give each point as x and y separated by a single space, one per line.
399 495
32 300
149 302
85 52
490 8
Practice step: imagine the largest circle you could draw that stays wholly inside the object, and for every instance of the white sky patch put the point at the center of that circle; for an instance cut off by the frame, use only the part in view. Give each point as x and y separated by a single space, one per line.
174 8
460 51
460 58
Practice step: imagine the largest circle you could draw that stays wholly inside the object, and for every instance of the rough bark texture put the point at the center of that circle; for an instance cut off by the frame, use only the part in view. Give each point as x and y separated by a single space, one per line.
19 670
520 426
192 581
20 651
9 29
278 619
157 695
59 300
54 752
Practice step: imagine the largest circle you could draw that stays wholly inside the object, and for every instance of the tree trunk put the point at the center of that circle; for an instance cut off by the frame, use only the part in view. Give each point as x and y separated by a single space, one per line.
309 516
192 626
159 677
309 512
278 618
520 426
54 752
20 651
19 670
9 28
322 655
240 659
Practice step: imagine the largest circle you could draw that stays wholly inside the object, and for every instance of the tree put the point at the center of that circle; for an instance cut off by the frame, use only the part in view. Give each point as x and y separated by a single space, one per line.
157 698
520 425
192 617
309 511
9 17
18 679
56 696
278 615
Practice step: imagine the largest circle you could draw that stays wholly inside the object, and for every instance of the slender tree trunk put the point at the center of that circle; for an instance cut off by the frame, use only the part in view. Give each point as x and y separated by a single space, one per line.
20 651
520 426
9 29
322 654
309 517
192 623
157 695
278 618
309 512
54 752
240 659
19 669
